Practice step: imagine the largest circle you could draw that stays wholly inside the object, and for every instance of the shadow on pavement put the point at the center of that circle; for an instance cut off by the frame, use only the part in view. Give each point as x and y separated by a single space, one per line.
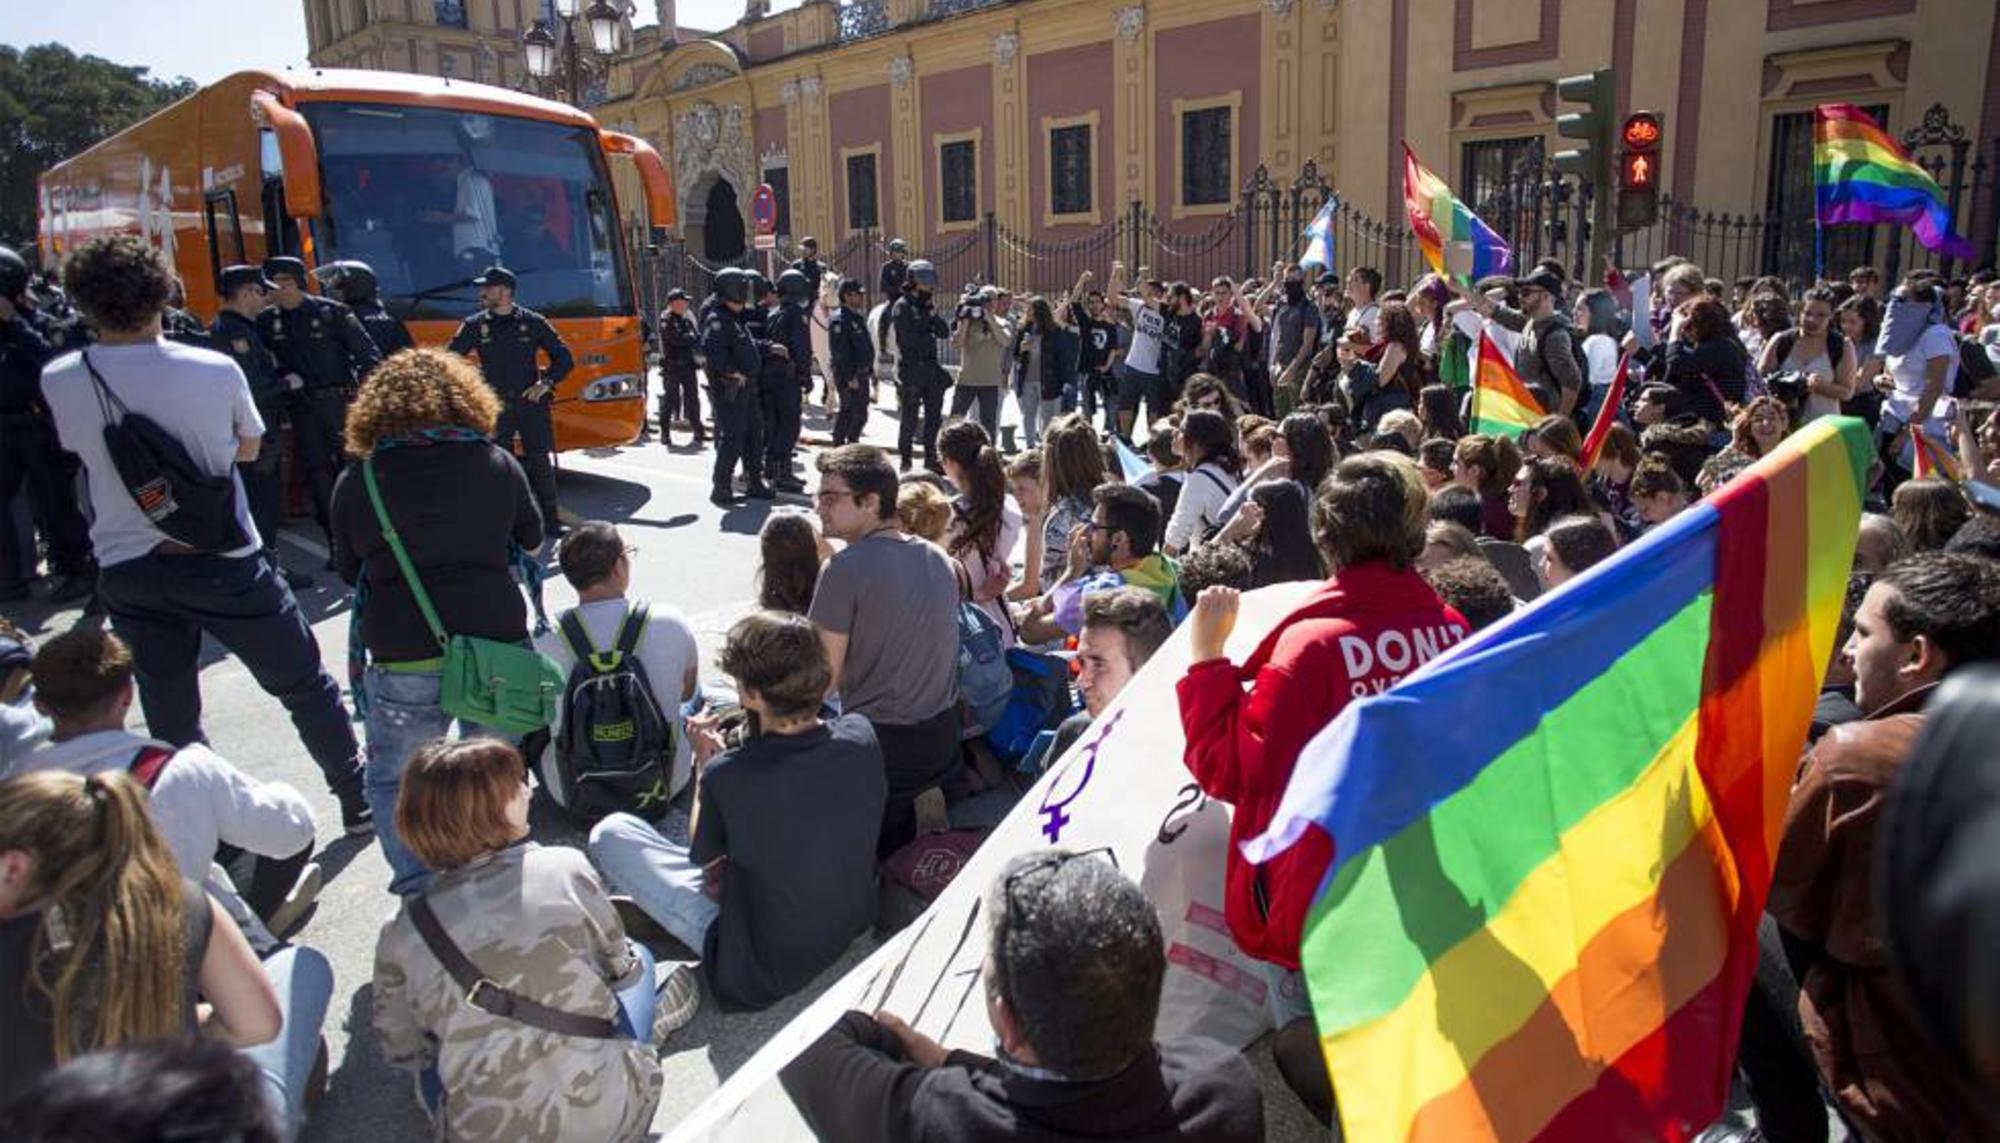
362 1100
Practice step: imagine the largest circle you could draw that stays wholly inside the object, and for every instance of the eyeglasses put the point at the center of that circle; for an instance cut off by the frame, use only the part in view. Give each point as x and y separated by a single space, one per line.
826 494
1044 864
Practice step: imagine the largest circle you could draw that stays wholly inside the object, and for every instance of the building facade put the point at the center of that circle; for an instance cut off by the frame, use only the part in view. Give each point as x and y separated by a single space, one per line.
478 40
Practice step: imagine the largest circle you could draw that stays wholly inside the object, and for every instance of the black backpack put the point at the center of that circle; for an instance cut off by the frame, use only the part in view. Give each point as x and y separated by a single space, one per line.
615 751
189 505
1974 367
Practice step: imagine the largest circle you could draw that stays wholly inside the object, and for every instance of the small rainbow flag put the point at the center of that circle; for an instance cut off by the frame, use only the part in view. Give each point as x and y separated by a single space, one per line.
1554 843
1607 415
1501 404
1860 174
1454 241
1930 459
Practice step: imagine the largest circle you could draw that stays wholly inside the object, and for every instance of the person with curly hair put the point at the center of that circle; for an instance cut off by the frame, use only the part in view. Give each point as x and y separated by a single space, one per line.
423 425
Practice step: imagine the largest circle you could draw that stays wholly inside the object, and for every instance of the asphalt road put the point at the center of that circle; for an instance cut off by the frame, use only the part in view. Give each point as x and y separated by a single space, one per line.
692 555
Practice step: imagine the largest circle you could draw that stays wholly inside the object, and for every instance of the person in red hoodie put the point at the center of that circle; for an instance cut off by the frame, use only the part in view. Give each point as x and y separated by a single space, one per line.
1373 622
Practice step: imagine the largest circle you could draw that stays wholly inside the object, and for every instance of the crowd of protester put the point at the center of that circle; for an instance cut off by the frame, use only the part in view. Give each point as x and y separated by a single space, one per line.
1309 428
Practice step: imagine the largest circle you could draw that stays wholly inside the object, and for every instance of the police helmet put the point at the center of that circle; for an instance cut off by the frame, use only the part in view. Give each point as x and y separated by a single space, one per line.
898 246
850 287
13 273
794 286
923 275
350 281
760 286
732 285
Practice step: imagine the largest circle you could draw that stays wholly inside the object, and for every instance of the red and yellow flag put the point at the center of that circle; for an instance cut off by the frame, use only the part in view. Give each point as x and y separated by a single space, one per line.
1501 404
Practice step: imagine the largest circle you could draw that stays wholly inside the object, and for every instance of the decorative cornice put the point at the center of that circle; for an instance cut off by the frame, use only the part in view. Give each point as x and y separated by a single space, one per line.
1006 46
901 68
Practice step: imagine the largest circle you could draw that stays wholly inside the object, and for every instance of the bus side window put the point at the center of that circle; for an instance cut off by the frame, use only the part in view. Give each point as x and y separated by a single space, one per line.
281 230
225 231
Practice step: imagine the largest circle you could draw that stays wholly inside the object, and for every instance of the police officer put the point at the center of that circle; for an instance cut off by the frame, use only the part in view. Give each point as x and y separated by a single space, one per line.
894 272
236 332
31 455
353 282
920 379
180 325
809 265
323 353
789 326
679 338
774 369
853 354
506 338
731 359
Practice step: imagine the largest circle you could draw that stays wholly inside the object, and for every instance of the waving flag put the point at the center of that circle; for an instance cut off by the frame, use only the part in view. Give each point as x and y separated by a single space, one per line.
1501 404
1131 465
1930 459
1860 174
1454 241
1607 415
1319 237
1555 842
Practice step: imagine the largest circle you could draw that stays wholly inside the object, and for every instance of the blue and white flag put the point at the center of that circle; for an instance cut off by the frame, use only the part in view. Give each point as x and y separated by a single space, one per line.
1319 237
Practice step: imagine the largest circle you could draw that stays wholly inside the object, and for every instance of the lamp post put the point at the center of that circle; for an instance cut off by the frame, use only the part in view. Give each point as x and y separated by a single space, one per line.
566 59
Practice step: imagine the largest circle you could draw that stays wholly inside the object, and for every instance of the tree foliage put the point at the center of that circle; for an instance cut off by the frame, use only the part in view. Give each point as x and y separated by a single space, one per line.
54 104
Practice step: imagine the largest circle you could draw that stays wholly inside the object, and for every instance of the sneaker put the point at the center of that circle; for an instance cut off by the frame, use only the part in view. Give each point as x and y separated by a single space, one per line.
724 498
356 816
932 816
292 909
677 998
70 588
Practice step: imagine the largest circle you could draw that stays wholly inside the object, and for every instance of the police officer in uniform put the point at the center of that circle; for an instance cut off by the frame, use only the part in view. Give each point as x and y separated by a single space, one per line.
31 454
679 339
809 265
920 379
894 272
236 333
354 283
730 357
323 353
506 338
790 326
774 369
853 355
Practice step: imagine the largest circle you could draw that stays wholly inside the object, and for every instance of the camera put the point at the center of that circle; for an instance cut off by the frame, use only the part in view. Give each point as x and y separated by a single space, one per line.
971 311
1788 386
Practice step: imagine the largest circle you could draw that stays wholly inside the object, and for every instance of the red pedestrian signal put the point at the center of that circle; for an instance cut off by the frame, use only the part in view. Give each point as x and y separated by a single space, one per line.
1639 170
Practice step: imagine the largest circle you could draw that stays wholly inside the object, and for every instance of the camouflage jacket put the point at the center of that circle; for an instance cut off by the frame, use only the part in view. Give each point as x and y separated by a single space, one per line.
537 922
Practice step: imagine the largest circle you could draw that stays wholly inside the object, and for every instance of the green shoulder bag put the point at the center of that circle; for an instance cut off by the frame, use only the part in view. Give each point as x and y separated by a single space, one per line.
505 686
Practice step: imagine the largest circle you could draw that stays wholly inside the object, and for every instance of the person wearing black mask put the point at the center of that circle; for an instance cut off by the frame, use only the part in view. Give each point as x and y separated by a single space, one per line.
1294 339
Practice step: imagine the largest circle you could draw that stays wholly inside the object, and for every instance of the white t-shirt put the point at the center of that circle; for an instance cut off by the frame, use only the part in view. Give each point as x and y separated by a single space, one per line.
197 395
1149 325
474 201
666 651
1362 317
1908 373
1602 354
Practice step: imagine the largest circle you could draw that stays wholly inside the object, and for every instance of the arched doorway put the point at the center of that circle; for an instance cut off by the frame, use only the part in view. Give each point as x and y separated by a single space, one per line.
722 232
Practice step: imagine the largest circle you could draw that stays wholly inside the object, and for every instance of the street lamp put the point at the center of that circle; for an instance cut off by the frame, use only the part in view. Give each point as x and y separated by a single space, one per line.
562 65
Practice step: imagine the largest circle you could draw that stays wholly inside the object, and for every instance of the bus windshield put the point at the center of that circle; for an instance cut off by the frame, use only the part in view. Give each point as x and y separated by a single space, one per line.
429 198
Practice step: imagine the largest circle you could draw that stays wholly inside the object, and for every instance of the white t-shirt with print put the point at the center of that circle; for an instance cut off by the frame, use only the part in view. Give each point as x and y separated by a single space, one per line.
666 651
1149 326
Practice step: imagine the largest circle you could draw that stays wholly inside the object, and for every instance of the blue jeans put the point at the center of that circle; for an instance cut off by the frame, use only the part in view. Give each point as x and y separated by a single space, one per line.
657 874
403 714
1036 412
162 606
304 983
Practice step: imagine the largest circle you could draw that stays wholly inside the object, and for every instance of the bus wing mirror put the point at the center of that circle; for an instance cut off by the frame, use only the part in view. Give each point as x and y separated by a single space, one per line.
296 148
652 173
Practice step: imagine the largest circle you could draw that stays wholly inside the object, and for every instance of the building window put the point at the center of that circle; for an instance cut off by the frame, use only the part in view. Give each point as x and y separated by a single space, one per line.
779 179
958 180
1208 154
1789 206
861 211
451 13
1493 170
1070 170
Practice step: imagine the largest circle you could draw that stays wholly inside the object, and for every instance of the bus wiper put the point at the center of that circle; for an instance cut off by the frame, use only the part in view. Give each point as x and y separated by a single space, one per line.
436 291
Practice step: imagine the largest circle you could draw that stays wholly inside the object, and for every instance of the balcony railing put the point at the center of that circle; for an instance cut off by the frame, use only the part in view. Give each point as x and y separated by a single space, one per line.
941 8
859 18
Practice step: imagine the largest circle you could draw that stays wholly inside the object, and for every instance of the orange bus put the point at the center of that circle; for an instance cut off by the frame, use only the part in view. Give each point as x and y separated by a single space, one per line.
330 165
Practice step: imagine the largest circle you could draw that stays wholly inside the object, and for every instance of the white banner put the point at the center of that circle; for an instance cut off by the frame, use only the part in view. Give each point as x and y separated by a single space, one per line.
1121 786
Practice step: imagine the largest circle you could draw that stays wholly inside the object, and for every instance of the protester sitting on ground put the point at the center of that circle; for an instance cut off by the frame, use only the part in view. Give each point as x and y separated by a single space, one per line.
791 551
1978 536
1164 475
1073 973
1487 466
1760 426
1024 482
204 807
923 511
1922 620
1457 504
185 1088
1612 475
1555 436
1367 626
598 565
1114 548
1930 511
102 941
1544 490
1275 530
887 613
1259 439
1718 470
514 953
985 524
1879 542
423 423
1836 703
1434 460
1213 565
1576 544
1472 587
779 874
1205 391
1657 492
1404 424
22 726
1706 362
1445 541
1206 444
1072 466
1121 630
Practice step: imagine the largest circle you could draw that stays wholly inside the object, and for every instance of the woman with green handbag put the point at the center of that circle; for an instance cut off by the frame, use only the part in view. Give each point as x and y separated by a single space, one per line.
426 526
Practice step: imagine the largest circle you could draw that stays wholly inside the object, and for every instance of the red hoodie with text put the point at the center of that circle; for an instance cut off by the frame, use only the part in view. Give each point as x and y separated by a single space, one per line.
1355 635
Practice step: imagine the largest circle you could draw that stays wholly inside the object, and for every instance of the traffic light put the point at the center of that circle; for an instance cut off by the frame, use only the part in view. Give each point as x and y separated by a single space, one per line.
1639 170
1590 162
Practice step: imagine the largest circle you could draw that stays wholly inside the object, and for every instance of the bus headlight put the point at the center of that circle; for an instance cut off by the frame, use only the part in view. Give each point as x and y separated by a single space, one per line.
616 387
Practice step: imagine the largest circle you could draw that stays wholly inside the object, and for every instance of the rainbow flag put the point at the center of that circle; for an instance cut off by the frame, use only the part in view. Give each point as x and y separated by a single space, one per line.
1554 843
1860 174
1454 241
1501 404
1930 459
1607 414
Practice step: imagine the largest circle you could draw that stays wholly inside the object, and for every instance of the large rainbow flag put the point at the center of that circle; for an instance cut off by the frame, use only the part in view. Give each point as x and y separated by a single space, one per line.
1860 174
1554 843
1454 241
1501 403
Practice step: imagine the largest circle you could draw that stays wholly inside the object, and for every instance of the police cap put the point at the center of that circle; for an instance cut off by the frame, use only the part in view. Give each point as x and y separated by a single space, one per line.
235 278
851 286
285 265
497 276
676 295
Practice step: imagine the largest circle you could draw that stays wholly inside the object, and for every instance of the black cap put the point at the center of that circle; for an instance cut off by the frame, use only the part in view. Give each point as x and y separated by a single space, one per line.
285 264
1543 278
1328 278
235 278
676 295
851 286
497 276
